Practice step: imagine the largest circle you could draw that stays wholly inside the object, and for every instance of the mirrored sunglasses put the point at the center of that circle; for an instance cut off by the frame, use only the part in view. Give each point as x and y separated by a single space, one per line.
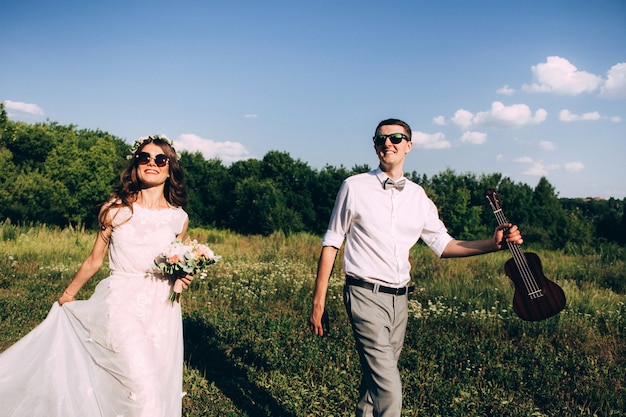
395 138
143 158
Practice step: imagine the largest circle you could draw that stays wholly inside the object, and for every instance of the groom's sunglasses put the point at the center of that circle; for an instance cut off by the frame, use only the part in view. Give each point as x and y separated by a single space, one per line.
395 138
143 158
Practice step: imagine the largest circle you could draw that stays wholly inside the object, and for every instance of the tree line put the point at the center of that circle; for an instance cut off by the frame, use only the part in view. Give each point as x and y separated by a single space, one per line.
58 175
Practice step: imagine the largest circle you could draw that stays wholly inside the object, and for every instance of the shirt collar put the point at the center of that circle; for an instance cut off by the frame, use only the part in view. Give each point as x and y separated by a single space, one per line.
382 176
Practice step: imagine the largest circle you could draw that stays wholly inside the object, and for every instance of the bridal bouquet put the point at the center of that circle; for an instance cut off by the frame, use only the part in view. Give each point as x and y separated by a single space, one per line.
184 258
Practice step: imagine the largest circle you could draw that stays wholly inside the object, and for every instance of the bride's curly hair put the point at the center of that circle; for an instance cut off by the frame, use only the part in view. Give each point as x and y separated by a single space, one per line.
126 193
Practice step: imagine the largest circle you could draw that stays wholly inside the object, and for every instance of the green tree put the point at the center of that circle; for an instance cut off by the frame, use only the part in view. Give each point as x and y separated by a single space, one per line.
247 168
578 233
359 169
452 195
208 185
608 225
5 132
622 225
32 143
8 176
8 170
549 221
37 198
88 169
261 208
295 180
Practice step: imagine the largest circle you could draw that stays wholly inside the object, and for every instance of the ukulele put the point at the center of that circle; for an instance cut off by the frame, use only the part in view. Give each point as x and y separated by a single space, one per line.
536 297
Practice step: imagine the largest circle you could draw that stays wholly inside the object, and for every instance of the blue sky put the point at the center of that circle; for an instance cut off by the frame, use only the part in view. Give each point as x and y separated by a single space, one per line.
527 89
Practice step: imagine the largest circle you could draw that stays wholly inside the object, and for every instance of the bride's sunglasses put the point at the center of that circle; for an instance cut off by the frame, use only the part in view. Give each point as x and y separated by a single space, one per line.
143 158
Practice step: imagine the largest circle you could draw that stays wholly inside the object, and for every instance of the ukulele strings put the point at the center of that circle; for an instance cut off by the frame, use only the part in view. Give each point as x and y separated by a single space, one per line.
522 263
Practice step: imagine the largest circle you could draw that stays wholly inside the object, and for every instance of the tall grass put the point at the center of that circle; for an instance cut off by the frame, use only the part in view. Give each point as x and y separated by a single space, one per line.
248 351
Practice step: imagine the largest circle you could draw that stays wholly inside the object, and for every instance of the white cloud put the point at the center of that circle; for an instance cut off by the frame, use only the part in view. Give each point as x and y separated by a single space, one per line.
430 141
615 84
567 116
546 145
500 116
439 120
615 119
463 118
476 138
538 169
19 109
250 116
226 151
506 90
594 115
557 75
574 166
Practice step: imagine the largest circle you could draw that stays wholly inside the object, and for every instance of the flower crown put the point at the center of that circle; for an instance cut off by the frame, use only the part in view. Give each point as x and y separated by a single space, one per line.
142 139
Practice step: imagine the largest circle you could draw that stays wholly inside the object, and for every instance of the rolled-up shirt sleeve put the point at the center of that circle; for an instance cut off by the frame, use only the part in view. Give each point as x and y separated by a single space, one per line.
435 233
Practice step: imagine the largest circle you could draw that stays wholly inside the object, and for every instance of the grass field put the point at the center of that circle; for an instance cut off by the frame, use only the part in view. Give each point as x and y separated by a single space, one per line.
249 351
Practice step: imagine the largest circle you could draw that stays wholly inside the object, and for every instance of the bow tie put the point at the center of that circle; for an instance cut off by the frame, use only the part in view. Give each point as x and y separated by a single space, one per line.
389 183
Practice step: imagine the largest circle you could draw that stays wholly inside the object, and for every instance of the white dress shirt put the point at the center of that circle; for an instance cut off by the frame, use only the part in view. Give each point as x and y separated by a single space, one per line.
380 227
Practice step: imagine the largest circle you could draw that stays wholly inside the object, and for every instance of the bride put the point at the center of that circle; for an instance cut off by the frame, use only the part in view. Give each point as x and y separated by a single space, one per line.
120 352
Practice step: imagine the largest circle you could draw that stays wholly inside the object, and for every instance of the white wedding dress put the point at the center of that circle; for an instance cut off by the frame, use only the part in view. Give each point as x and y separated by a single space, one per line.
117 354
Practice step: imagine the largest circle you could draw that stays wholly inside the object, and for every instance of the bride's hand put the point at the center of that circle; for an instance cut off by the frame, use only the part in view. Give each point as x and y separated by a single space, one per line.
186 281
66 297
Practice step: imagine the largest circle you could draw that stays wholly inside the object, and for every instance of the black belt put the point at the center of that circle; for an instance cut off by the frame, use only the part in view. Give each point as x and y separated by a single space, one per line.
369 286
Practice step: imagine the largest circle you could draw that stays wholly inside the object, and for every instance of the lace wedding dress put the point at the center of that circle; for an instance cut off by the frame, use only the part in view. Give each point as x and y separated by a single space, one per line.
117 354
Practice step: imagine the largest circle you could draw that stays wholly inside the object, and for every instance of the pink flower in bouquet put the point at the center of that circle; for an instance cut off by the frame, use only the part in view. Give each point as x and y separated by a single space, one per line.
204 251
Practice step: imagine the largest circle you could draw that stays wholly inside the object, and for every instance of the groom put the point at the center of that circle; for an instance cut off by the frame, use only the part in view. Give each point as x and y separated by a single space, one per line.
381 215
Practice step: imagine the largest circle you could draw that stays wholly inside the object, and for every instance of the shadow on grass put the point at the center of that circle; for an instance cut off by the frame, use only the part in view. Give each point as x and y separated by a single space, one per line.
210 356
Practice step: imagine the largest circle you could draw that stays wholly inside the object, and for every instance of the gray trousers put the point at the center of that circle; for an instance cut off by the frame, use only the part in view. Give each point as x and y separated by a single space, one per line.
379 324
